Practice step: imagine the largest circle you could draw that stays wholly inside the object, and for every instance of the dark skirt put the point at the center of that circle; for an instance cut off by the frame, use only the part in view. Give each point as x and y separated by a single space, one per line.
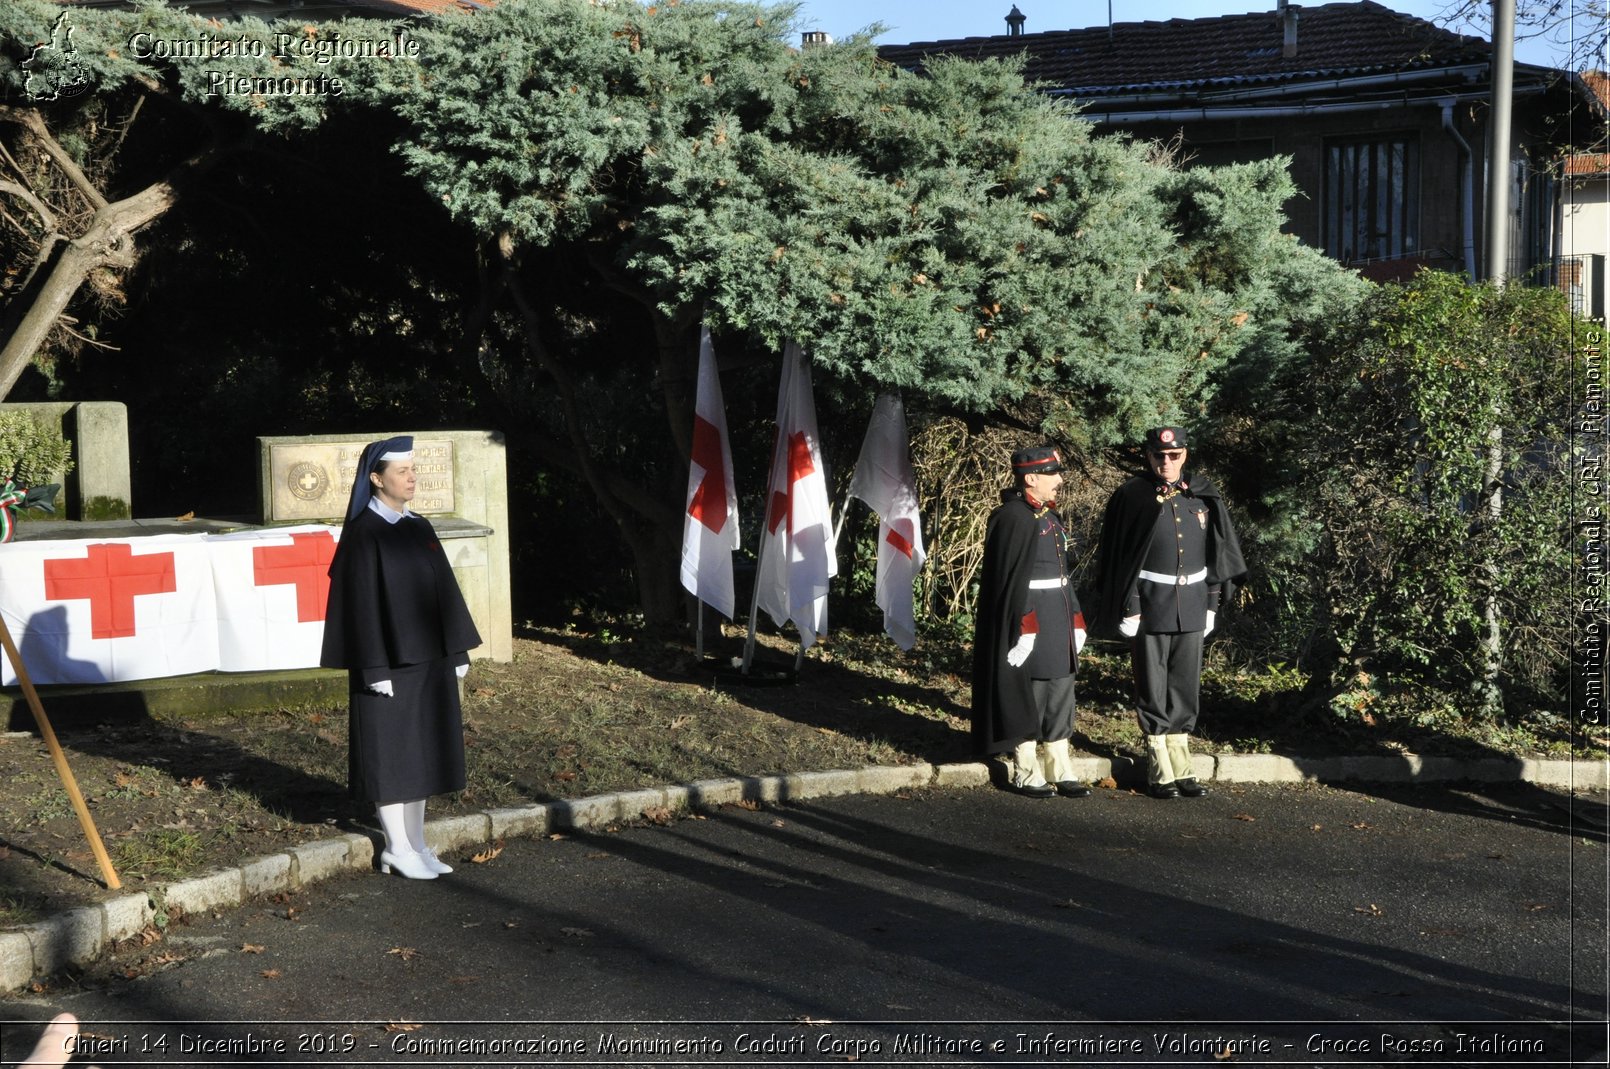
408 746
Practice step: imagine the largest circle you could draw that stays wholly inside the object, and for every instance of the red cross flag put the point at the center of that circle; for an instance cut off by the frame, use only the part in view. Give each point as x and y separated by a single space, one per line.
797 559
95 612
272 587
710 527
884 480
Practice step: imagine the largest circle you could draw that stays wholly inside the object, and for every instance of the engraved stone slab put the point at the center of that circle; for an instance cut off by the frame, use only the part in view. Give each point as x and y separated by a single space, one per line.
311 480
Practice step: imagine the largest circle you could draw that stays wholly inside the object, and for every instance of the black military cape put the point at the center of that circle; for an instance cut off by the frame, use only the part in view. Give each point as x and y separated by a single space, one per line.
1126 532
395 612
1004 710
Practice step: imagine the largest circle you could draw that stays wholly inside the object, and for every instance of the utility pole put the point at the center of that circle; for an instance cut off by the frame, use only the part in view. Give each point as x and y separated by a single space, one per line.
1498 140
1498 253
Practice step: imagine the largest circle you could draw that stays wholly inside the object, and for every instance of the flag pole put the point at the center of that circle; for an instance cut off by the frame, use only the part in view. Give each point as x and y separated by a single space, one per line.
754 600
62 769
698 634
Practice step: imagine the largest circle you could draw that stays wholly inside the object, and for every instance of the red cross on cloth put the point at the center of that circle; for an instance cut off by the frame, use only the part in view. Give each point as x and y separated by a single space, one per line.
709 504
306 563
899 536
110 576
799 466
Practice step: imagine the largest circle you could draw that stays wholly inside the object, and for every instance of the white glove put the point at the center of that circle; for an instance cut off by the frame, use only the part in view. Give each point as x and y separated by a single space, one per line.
1208 630
464 669
1129 626
1020 653
382 687
1078 640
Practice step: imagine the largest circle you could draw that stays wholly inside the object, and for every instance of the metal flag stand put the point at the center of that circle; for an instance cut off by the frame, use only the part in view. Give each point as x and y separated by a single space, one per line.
60 758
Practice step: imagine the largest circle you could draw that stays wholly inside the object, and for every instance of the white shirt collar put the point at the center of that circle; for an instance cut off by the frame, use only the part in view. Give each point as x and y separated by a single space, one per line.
386 512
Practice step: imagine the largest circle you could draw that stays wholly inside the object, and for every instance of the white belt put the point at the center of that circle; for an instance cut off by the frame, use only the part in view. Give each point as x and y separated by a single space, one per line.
1172 580
1051 584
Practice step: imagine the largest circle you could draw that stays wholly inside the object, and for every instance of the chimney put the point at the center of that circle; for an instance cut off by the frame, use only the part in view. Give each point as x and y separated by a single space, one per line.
815 39
1288 24
1014 22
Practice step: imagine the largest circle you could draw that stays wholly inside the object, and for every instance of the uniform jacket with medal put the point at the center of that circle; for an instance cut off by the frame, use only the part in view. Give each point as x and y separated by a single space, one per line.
1022 543
1134 514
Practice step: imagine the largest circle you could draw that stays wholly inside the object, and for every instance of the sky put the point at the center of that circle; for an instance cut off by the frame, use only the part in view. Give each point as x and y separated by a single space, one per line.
931 20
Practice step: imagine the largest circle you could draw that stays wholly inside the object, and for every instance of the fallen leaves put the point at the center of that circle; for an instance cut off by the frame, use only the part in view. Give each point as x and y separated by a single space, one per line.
1361 826
1107 783
491 853
403 1026
1245 816
1371 910
405 953
658 814
251 948
270 974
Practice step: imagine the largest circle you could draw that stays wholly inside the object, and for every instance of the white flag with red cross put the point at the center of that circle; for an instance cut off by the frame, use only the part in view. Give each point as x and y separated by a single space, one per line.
797 558
272 588
104 611
710 525
884 480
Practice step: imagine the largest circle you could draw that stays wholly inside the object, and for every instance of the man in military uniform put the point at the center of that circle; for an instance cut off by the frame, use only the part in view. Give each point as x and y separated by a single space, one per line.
1028 636
1167 558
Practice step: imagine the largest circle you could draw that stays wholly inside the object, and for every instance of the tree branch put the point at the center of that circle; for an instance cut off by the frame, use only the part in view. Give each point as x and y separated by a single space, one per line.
34 123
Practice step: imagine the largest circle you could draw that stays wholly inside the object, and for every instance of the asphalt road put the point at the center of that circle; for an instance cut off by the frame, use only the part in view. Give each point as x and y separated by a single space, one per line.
1297 925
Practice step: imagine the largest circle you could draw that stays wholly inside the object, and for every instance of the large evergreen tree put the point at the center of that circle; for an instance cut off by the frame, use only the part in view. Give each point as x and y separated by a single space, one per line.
960 235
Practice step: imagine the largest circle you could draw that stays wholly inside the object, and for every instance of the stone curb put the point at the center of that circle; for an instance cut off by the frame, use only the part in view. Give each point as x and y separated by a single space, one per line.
78 936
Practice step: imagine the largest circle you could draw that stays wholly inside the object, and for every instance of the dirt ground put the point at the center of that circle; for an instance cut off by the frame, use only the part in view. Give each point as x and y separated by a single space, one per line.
577 712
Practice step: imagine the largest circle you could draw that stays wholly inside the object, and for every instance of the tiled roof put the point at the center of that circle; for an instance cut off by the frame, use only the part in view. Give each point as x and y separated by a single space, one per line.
1598 83
1587 164
1333 40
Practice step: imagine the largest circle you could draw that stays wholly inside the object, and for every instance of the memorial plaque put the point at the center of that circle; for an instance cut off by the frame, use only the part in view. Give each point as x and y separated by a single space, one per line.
312 480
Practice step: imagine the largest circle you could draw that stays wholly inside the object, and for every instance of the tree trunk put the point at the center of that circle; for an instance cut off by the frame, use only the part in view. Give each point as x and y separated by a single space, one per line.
654 553
108 241
1492 652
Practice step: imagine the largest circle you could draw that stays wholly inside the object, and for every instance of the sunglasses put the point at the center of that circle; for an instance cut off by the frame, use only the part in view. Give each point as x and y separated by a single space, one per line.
1172 454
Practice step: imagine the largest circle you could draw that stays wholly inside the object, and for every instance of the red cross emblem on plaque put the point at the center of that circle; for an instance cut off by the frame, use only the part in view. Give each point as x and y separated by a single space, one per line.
110 576
306 563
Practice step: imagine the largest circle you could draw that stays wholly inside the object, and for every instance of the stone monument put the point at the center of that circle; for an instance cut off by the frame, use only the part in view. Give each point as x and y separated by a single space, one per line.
462 488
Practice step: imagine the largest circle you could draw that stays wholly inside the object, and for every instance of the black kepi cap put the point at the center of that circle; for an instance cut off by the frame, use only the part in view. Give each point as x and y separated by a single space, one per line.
1041 460
1161 438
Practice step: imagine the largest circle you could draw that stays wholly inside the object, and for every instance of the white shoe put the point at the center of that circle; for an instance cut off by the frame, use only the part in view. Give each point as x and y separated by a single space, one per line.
412 865
434 863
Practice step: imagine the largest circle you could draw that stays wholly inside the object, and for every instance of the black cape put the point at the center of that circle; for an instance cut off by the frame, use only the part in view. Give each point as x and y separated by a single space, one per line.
1126 532
395 613
393 598
1004 711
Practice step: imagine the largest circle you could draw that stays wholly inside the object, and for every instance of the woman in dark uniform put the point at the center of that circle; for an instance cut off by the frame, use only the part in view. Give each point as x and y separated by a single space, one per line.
398 624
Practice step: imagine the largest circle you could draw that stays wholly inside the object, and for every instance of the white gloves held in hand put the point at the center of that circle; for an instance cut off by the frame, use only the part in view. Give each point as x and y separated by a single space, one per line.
1020 653
1129 626
462 670
1079 637
1208 630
